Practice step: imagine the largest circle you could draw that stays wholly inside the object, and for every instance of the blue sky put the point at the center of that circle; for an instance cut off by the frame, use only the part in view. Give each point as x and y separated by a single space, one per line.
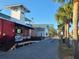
43 11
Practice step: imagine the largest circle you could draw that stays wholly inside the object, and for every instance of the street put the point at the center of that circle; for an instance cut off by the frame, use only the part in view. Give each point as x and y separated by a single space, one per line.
45 49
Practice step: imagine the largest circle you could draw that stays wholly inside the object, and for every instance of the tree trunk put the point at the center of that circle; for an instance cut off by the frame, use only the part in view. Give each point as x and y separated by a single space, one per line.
64 34
65 31
75 29
67 28
67 41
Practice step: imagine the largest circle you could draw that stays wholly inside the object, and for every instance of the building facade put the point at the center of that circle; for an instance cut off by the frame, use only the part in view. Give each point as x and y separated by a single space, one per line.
14 28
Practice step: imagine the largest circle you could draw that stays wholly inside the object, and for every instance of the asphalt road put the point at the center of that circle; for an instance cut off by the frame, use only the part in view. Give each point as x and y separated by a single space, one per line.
45 49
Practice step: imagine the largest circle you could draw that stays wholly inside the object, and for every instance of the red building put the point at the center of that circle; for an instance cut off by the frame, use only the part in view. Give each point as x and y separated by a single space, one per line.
14 29
6 28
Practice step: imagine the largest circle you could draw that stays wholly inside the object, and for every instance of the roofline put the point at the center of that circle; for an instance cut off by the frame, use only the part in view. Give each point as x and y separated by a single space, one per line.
16 5
13 21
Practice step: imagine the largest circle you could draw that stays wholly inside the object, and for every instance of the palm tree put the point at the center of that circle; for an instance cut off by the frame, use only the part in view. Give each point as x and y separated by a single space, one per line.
64 16
68 14
75 26
52 31
60 23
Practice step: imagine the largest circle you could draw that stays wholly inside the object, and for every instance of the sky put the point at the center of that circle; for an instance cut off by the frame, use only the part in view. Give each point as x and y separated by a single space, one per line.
43 11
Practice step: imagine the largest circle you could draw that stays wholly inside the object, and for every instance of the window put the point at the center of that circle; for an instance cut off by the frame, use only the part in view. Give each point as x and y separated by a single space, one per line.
22 12
19 31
